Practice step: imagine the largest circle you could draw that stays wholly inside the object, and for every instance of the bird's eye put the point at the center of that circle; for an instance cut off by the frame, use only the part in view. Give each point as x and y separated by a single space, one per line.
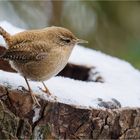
66 40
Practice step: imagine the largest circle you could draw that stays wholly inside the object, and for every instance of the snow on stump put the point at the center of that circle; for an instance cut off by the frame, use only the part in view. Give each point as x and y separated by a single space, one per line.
96 96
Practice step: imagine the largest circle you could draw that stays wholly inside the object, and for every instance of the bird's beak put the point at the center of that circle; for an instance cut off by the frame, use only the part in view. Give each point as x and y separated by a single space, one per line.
81 41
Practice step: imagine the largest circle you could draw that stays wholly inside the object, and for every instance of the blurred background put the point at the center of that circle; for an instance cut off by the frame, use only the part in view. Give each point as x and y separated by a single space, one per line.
112 27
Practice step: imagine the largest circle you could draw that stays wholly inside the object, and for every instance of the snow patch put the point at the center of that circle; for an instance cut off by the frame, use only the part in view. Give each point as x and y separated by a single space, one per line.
36 115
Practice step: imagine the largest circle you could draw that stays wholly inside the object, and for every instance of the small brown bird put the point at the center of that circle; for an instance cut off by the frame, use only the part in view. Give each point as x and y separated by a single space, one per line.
39 54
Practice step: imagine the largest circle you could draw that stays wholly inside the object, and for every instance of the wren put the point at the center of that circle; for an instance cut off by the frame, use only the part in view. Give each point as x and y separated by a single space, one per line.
39 54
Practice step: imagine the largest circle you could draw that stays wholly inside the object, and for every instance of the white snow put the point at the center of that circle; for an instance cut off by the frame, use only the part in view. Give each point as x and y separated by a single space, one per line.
121 80
36 115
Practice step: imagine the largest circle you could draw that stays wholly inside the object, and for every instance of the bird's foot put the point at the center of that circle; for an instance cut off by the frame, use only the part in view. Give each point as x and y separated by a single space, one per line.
45 91
35 100
48 94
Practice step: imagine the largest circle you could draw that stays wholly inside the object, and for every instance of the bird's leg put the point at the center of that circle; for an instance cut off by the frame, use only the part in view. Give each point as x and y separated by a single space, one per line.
46 89
35 101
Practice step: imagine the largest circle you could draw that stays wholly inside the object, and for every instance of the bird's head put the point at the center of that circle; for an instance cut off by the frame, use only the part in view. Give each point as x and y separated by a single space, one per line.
63 37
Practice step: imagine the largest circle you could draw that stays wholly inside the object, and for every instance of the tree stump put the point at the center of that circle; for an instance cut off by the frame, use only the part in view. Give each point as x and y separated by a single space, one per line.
18 120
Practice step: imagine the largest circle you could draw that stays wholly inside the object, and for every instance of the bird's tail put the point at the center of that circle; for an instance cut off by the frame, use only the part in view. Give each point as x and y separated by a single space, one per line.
6 36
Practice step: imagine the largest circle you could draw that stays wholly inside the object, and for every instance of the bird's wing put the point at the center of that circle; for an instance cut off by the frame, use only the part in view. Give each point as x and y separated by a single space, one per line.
32 51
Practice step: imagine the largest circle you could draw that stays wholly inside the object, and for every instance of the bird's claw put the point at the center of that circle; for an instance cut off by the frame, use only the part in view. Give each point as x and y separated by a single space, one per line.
46 91
35 101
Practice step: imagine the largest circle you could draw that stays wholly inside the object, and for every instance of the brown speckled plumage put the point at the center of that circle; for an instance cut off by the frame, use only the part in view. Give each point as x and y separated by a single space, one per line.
39 54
